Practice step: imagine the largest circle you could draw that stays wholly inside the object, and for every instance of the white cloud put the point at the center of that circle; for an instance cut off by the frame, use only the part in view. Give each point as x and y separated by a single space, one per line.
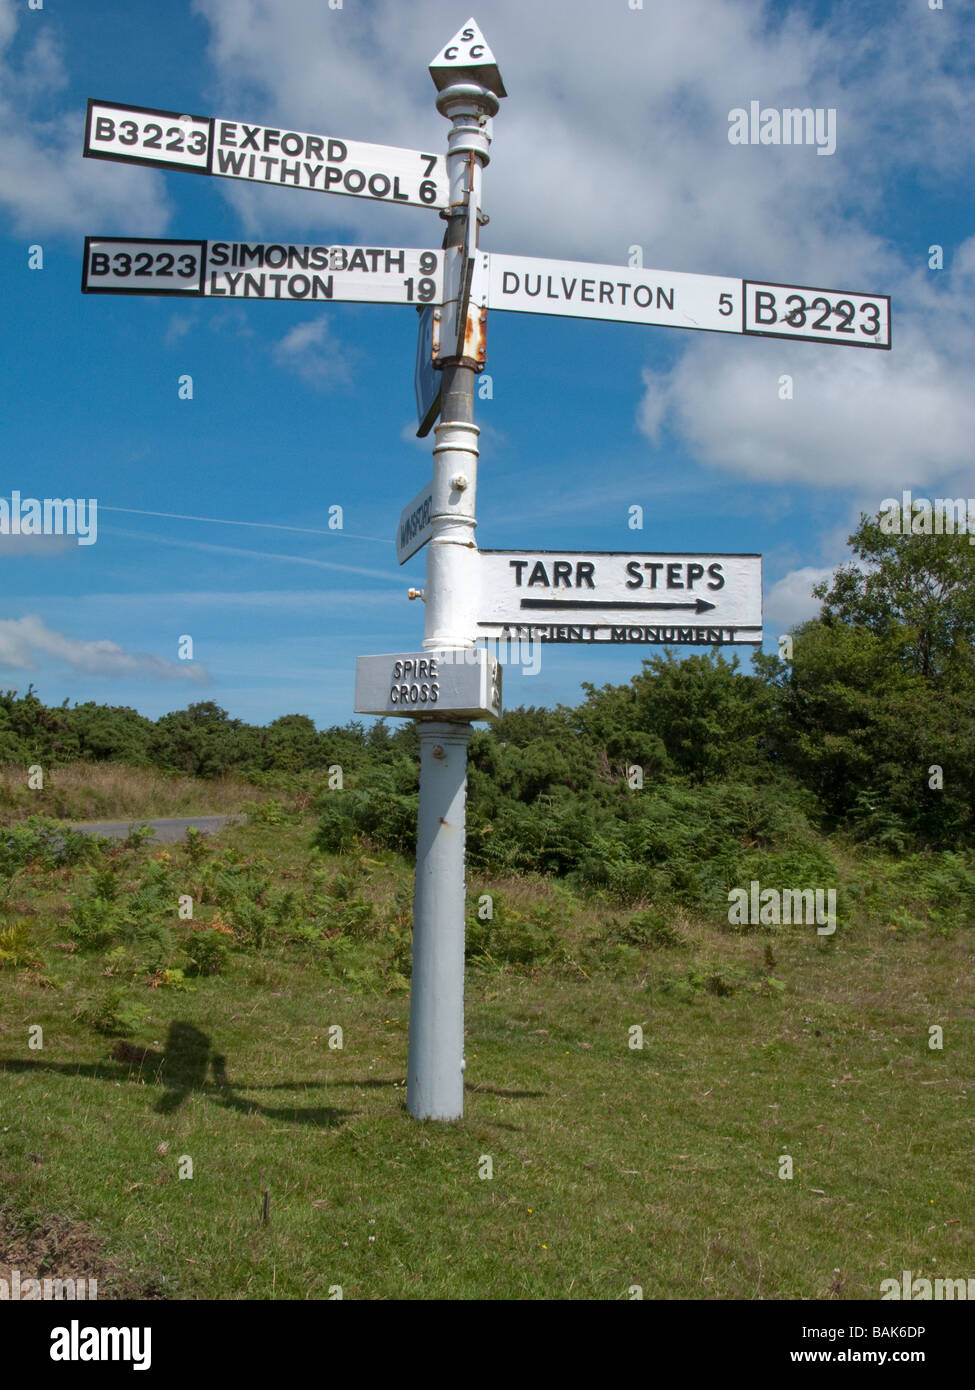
616 133
22 640
856 417
312 353
790 602
46 186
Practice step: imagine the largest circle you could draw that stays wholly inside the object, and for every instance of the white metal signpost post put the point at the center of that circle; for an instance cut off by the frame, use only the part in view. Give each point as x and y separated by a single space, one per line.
551 596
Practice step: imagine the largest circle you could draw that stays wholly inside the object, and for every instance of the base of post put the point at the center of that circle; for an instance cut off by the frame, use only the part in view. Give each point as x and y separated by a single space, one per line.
435 1068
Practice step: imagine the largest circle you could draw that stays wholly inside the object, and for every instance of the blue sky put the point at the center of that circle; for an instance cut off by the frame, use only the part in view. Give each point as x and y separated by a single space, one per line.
614 134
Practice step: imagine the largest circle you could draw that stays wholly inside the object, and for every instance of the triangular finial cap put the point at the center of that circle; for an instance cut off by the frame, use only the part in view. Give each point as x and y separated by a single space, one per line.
467 58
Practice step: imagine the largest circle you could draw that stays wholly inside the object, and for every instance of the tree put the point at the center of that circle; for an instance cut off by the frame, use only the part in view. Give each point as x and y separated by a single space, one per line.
920 588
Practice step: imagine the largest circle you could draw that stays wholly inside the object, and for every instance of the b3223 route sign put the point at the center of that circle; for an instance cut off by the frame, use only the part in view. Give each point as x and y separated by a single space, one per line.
264 154
262 270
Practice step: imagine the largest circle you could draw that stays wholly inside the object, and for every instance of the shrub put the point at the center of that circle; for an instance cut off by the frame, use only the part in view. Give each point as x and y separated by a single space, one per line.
206 952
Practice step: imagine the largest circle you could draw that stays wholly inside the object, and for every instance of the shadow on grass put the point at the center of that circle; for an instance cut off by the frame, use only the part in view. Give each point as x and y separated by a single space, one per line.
182 1068
188 1062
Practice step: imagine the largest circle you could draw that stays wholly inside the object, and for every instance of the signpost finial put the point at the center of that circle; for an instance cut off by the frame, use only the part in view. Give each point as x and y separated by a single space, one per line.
467 58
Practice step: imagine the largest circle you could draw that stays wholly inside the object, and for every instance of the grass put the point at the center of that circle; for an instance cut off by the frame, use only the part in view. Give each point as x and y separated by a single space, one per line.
111 791
612 1166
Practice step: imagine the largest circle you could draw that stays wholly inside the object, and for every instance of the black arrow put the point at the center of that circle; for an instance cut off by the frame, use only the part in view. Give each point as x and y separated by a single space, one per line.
700 605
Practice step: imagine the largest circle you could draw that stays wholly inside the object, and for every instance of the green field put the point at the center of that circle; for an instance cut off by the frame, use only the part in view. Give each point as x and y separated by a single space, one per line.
612 1166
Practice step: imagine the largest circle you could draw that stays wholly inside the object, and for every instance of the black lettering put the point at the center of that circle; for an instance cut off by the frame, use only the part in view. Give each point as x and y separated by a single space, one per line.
717 578
764 300
562 573
585 570
653 566
229 163
249 141
635 580
518 566
104 128
336 151
314 147
538 575
673 581
694 571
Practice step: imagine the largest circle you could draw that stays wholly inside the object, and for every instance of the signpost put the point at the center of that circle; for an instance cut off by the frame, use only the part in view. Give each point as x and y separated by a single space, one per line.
617 596
683 599
415 526
580 289
426 378
263 154
466 684
261 270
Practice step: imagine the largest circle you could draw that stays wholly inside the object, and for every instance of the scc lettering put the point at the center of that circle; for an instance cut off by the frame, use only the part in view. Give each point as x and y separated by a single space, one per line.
475 50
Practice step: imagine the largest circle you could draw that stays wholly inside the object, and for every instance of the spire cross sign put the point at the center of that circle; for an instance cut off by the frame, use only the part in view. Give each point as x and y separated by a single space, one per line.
618 597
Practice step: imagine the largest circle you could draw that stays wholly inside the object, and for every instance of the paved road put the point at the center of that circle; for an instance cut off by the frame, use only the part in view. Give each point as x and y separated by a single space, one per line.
169 829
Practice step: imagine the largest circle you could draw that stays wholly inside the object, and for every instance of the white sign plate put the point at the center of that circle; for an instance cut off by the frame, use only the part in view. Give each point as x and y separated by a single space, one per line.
261 270
719 304
438 684
581 289
264 154
820 316
415 524
620 596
